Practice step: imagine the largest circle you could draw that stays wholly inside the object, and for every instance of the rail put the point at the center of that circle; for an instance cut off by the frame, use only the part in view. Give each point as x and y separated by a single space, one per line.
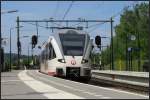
136 80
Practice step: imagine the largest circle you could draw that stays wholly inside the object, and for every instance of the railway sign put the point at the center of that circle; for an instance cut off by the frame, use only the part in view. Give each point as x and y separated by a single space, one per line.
130 48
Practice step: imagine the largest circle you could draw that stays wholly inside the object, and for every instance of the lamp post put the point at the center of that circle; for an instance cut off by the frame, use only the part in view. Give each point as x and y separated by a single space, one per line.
132 38
112 52
129 51
10 45
28 54
1 49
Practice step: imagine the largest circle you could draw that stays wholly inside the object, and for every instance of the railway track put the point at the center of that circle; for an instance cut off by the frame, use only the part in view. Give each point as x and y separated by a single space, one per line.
119 86
130 88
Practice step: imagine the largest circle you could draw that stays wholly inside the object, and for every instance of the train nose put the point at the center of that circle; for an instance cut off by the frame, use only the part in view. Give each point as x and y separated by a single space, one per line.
72 72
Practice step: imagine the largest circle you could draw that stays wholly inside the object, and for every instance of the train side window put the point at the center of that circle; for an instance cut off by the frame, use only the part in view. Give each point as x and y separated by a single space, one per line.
43 56
52 54
50 47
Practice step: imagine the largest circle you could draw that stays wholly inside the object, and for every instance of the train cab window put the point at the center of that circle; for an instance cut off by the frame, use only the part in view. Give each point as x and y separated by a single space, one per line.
73 44
52 53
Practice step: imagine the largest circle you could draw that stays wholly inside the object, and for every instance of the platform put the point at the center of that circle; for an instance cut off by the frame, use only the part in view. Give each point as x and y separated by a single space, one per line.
126 73
123 78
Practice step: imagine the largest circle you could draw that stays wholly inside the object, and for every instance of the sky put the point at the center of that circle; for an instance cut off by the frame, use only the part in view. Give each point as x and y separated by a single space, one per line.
100 10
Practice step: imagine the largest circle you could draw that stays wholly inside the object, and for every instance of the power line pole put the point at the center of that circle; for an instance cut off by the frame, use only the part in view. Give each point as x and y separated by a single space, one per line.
139 54
1 49
10 48
18 43
28 54
112 55
1 65
127 52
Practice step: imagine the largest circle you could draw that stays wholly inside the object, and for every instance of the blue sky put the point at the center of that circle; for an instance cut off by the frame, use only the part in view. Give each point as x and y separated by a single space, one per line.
46 9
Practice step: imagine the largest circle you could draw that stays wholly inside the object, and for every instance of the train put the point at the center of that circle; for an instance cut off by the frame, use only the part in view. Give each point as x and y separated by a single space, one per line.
66 53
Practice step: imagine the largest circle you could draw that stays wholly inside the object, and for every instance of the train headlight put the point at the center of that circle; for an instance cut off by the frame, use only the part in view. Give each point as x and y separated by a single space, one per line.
62 60
84 61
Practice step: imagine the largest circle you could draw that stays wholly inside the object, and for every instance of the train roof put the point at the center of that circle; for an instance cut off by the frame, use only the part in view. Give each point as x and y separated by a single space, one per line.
70 30
63 31
46 42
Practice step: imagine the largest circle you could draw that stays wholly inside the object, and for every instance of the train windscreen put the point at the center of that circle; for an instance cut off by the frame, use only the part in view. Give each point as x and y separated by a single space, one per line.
73 44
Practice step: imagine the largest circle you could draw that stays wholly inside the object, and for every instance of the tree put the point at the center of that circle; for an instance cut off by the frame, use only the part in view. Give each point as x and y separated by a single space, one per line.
133 21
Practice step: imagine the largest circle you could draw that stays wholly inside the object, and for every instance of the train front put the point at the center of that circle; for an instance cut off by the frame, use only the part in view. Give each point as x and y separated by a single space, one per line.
76 47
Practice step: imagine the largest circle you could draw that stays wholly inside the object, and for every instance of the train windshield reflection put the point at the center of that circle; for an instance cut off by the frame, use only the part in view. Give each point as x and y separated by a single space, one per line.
73 44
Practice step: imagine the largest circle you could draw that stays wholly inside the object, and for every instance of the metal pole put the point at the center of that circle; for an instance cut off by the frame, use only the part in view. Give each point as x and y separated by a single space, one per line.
37 29
112 56
126 53
32 54
18 42
65 21
139 56
0 52
131 59
107 55
28 55
10 49
0 40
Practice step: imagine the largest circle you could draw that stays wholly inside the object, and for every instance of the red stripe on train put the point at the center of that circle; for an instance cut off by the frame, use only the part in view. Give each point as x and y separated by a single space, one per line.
52 73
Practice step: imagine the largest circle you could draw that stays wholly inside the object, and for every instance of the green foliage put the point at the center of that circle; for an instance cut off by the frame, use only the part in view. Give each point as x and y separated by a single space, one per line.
132 22
95 58
14 60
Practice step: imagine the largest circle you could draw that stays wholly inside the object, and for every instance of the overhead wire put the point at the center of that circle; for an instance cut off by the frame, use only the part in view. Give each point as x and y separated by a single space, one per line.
79 22
67 11
88 14
115 15
56 10
97 26
35 24
55 13
40 25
